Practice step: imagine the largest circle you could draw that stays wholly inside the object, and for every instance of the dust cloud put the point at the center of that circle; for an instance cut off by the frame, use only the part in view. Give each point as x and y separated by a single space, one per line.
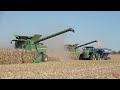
55 47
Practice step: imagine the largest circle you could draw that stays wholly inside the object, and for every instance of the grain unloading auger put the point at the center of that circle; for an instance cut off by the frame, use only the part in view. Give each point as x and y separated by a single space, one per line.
86 44
32 43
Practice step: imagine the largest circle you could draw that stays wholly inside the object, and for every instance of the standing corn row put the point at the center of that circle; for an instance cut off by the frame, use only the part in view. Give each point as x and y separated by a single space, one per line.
14 56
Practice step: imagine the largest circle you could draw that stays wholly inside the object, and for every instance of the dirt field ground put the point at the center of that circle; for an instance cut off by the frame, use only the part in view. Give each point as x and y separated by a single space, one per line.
64 69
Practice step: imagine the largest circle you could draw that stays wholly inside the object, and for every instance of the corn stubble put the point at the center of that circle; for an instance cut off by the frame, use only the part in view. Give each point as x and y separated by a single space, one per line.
57 67
15 56
72 69
62 69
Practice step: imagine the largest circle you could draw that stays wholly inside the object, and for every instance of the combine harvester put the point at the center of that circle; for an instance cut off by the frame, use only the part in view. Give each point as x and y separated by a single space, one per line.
90 52
33 44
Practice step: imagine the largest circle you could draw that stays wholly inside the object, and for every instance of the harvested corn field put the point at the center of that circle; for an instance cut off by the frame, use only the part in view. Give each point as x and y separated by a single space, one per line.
64 69
48 45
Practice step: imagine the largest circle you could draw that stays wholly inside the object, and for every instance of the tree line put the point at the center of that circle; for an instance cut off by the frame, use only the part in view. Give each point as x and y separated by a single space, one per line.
116 52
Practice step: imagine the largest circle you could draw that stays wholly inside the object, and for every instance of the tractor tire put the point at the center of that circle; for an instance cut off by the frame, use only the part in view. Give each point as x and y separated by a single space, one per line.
105 58
98 57
81 57
92 57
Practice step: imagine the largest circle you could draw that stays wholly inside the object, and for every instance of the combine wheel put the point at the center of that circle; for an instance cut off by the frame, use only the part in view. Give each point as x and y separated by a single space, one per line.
45 57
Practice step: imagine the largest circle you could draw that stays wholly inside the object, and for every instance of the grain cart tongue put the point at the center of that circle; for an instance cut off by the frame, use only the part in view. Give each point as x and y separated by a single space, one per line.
34 47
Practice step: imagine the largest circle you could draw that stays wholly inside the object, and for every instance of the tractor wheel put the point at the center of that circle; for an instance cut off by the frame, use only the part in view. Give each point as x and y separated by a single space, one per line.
105 58
98 57
45 58
92 57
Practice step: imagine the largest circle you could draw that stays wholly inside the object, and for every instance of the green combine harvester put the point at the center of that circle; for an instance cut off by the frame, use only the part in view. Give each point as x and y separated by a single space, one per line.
71 48
32 43
88 52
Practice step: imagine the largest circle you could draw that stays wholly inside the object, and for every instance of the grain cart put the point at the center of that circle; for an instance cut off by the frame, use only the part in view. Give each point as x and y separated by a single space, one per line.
104 52
32 43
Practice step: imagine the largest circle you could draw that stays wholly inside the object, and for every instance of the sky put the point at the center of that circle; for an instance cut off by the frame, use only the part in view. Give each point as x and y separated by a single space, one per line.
103 26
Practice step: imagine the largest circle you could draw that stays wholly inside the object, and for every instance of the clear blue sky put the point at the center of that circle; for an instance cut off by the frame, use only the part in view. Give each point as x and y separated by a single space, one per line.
89 25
